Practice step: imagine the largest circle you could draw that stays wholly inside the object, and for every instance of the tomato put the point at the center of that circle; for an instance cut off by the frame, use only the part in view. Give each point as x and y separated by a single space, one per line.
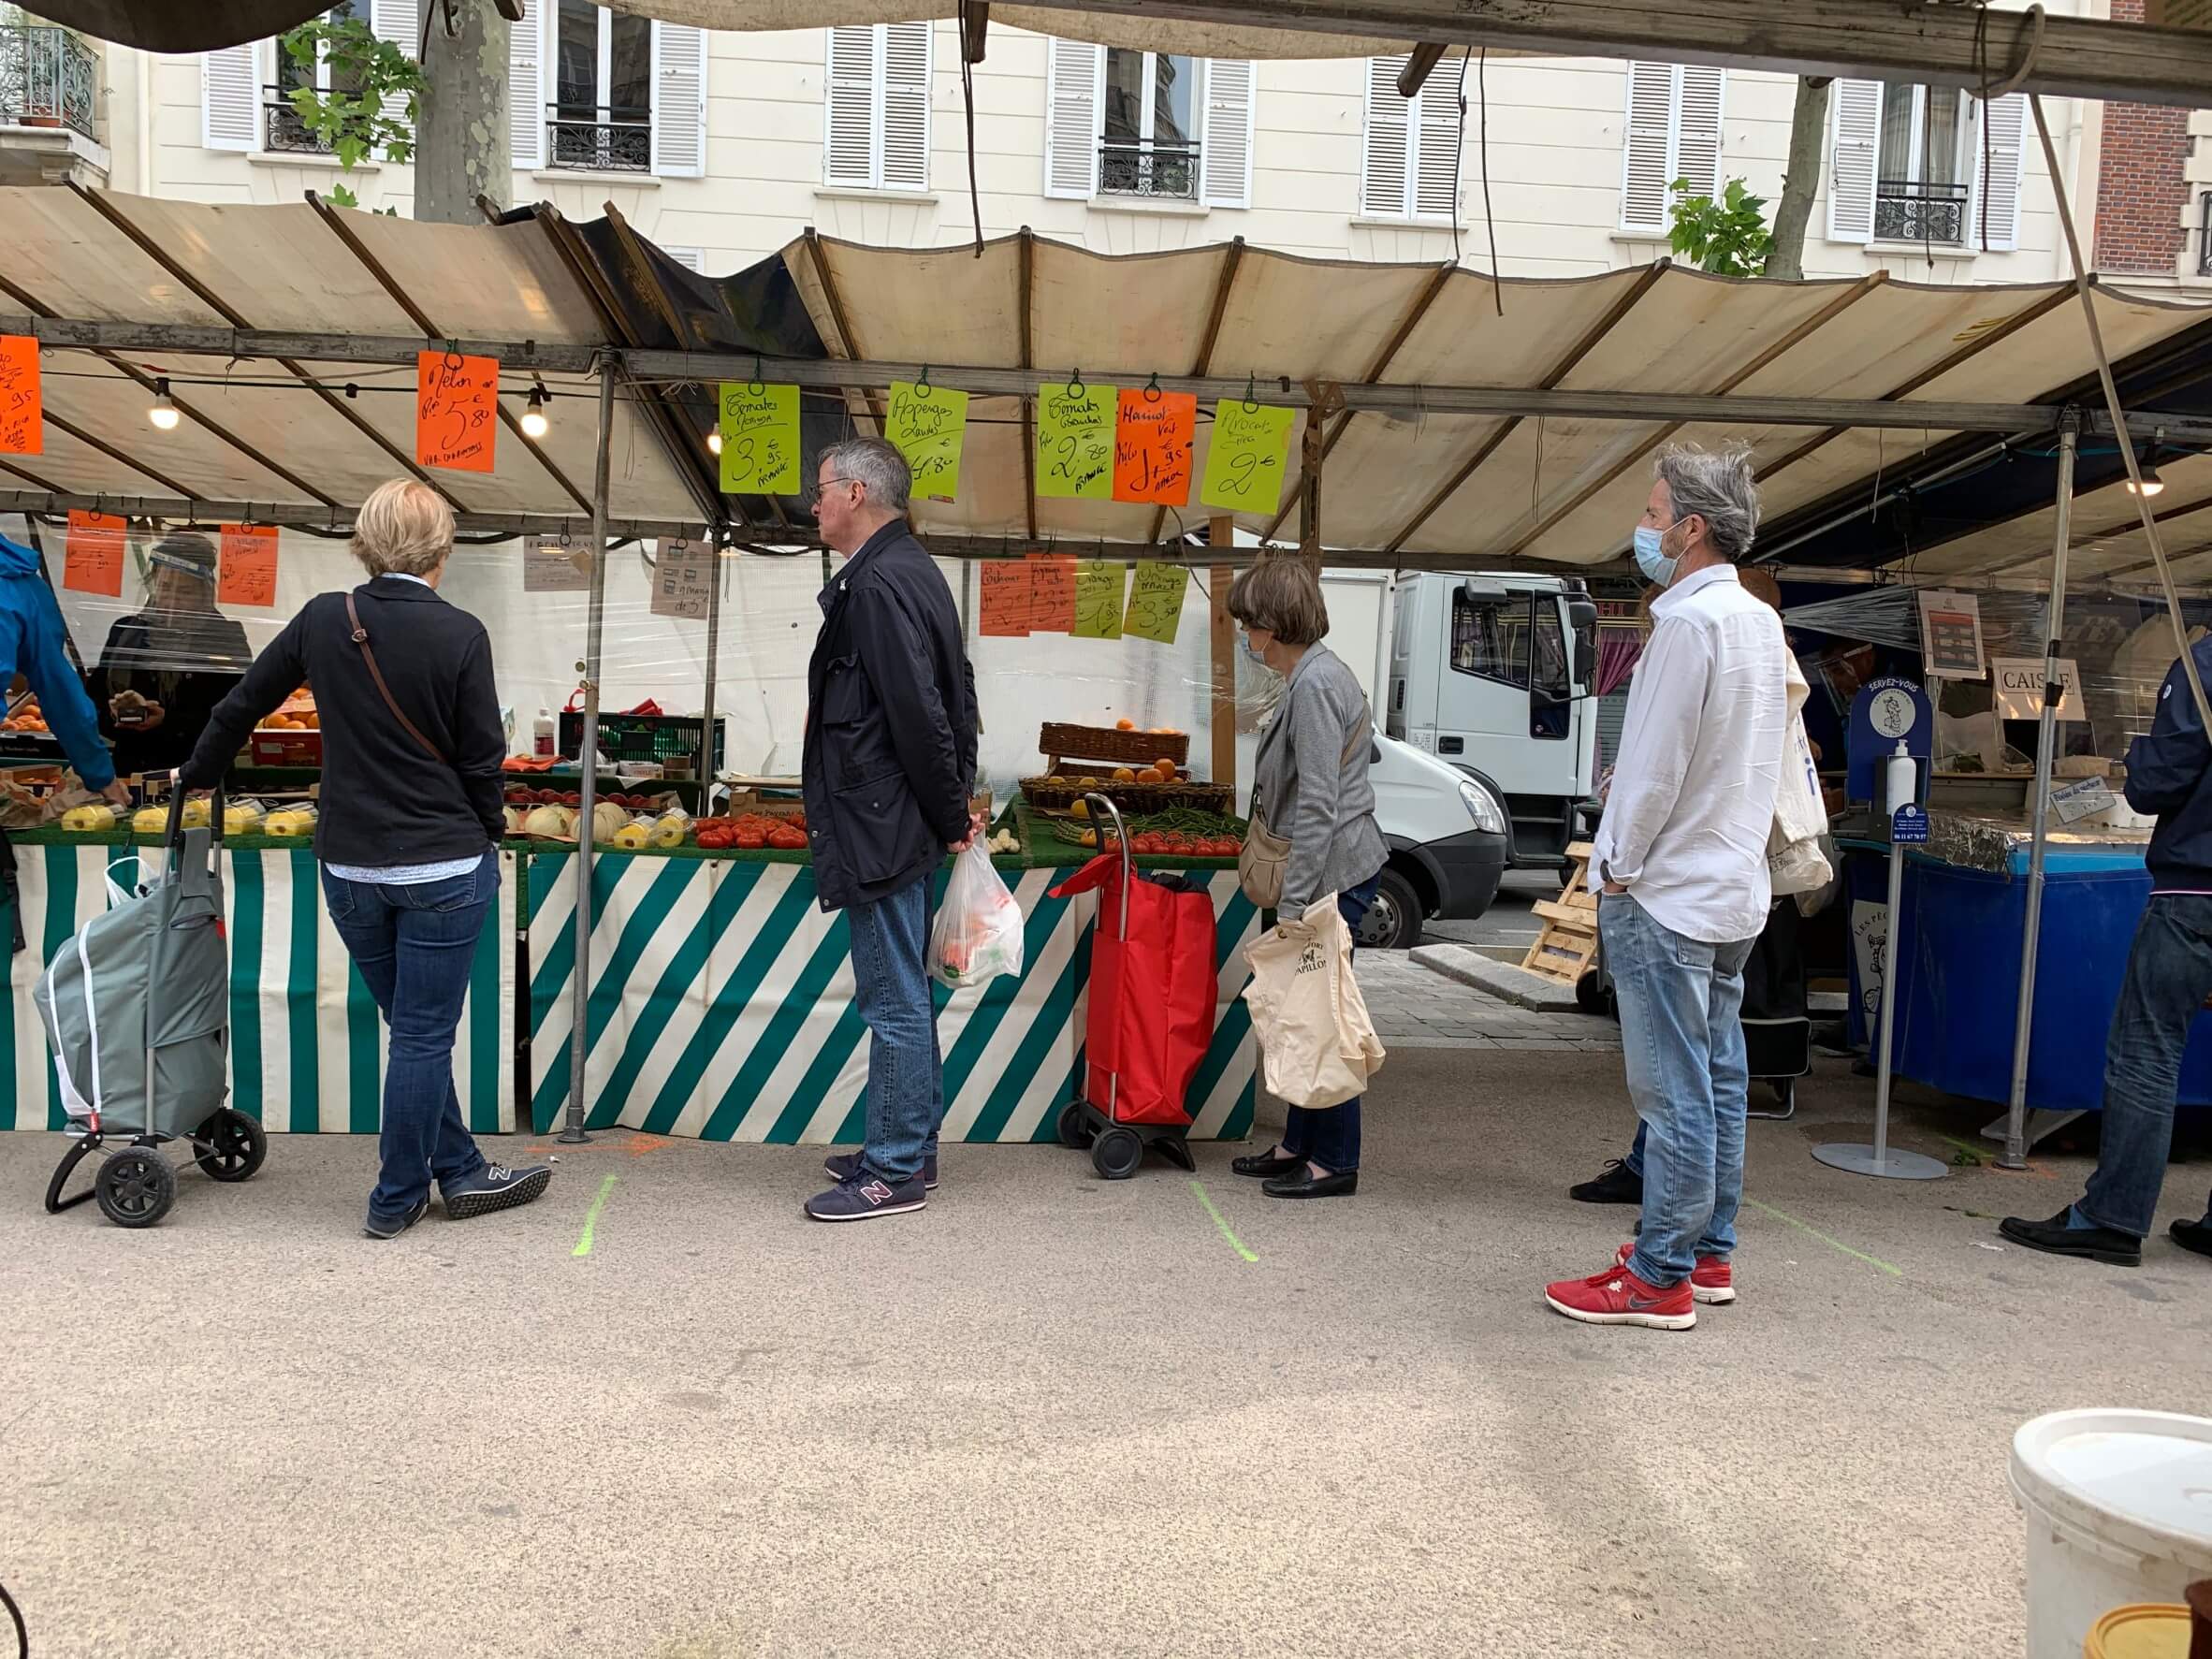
785 839
751 840
712 838
1147 843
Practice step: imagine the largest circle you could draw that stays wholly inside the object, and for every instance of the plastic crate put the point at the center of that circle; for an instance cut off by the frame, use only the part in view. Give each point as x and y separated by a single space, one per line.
659 737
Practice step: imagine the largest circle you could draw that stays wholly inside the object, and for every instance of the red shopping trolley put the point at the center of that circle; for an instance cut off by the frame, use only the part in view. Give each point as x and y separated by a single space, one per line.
1151 1015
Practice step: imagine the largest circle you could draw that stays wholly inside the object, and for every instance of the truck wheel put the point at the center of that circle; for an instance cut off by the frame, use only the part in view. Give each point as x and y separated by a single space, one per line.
1393 921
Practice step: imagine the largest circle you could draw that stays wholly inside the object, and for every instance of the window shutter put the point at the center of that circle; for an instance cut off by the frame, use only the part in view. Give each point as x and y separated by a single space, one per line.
230 98
526 87
679 100
1850 172
1225 152
1074 103
1698 127
1437 146
1998 154
848 117
905 163
398 21
1385 158
1648 148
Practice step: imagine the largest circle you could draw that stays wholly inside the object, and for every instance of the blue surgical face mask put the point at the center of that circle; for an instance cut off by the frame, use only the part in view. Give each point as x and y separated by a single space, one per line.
1655 565
1253 652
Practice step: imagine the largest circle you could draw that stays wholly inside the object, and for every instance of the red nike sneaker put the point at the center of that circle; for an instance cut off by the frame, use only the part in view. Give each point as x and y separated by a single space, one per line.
1618 1297
1712 1280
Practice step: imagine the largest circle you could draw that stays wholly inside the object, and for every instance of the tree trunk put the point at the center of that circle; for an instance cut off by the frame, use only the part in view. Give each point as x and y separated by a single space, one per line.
461 146
1809 133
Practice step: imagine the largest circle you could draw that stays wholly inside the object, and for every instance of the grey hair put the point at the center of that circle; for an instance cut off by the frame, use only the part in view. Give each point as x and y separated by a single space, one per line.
1719 486
877 464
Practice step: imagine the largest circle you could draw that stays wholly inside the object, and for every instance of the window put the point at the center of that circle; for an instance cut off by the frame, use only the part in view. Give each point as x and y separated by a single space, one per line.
1920 168
245 91
1410 160
1148 142
1929 165
281 127
1673 131
603 90
1516 639
1144 124
877 118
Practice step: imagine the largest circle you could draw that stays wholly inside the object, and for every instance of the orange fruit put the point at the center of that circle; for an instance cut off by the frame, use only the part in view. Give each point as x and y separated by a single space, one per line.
311 721
1125 725
1165 766
1124 774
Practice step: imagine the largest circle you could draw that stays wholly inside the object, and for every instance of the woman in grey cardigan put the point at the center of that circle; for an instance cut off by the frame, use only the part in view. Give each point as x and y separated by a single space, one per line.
1310 781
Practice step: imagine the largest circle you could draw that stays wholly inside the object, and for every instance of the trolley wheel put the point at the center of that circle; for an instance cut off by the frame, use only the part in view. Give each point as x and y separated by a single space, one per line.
1075 1134
230 1146
136 1186
1116 1154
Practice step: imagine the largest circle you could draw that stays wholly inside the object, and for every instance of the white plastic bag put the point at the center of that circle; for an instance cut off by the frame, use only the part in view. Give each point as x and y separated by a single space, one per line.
1317 1047
978 931
1795 862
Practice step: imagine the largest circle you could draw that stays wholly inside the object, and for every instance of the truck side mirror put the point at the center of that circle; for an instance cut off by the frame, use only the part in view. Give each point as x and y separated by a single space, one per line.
1582 624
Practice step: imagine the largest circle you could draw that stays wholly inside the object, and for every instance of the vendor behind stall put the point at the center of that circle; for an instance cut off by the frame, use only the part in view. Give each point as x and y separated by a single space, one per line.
165 667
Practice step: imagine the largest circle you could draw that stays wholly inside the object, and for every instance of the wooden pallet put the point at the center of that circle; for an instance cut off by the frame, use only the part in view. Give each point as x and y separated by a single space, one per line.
1568 944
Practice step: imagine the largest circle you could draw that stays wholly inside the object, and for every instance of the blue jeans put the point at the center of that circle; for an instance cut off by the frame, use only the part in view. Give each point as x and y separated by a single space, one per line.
1328 1136
2168 977
905 1071
1681 1038
415 947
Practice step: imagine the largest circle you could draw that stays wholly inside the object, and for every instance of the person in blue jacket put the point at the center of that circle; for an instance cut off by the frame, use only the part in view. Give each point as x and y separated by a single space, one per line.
2168 981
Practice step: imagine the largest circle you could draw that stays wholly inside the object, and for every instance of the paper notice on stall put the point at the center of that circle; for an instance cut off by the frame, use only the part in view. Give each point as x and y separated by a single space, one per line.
1951 635
2083 798
1155 601
457 419
928 425
91 554
1152 442
1245 457
1006 584
2020 688
247 571
555 565
22 423
683 577
1052 592
759 431
1075 442
1098 598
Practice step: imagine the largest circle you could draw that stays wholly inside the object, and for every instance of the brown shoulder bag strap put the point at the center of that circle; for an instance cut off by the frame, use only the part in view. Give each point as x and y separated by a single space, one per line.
376 674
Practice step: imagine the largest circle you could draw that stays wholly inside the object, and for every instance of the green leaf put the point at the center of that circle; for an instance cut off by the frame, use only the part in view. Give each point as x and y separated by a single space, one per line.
342 197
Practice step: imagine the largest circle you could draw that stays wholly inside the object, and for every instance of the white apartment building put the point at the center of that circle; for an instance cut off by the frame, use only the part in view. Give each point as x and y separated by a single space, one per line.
721 147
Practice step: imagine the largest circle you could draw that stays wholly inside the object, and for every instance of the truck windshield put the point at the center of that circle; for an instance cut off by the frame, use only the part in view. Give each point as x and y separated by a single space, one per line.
1516 640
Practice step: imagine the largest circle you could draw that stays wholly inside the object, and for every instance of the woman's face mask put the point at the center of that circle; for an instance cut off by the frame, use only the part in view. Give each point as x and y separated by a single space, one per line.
1257 655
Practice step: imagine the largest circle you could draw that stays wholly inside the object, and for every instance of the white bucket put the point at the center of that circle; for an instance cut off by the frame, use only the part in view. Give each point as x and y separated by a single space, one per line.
2119 1509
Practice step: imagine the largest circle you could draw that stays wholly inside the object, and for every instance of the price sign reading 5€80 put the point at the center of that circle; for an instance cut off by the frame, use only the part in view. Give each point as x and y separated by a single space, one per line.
455 411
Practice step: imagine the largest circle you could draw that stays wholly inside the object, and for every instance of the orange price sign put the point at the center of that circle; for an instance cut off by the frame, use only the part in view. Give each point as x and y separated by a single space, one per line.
1151 442
91 554
23 430
1052 592
457 417
248 573
1006 598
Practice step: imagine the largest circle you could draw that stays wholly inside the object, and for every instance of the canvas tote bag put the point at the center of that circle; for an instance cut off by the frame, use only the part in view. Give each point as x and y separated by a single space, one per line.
1317 1045
1266 854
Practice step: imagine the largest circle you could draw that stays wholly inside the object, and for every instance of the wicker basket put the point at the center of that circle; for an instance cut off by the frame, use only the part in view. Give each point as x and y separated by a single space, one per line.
1059 795
1061 742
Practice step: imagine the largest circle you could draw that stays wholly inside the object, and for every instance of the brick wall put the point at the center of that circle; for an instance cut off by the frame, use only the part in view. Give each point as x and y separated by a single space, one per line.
2142 195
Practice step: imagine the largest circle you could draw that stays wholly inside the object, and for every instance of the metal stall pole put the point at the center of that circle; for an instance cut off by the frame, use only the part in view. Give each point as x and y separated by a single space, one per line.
714 646
2016 1120
577 1037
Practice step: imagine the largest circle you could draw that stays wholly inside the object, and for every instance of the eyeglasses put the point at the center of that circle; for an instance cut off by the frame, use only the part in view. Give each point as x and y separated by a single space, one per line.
814 494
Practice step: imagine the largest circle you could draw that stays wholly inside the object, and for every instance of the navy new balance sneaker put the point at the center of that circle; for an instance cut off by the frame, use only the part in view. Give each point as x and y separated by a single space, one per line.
391 1226
495 1186
843 1166
865 1197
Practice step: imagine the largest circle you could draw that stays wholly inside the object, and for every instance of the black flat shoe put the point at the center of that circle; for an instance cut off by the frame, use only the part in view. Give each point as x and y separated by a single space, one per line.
1341 1184
1265 1163
1617 1183
2092 1243
2194 1235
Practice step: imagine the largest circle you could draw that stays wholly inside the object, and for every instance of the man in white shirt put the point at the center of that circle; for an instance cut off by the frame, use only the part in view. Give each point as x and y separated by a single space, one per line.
1681 857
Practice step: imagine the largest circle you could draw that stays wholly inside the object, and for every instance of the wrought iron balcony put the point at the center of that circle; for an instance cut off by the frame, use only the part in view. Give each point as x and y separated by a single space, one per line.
281 127
1128 167
1915 211
602 139
48 78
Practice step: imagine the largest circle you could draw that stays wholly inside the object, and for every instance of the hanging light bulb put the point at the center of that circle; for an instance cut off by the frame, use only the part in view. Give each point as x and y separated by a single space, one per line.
535 423
164 413
2153 483
714 441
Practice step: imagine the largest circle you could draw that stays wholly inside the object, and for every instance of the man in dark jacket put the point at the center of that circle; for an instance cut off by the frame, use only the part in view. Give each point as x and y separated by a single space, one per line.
888 768
2169 976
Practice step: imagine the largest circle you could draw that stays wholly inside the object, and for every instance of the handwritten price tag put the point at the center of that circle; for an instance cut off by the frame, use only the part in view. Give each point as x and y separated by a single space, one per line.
91 554
1155 601
551 564
760 439
1052 592
1152 444
683 577
1245 461
1075 442
928 425
457 419
249 569
1098 598
1006 598
23 426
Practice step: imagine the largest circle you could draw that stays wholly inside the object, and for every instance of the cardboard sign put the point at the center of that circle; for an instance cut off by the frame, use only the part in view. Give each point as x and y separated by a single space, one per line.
1246 458
1152 440
552 564
92 555
457 419
2081 798
22 422
2020 689
1006 601
683 577
760 439
928 425
1951 635
1155 601
1052 593
1098 598
247 571
1075 442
